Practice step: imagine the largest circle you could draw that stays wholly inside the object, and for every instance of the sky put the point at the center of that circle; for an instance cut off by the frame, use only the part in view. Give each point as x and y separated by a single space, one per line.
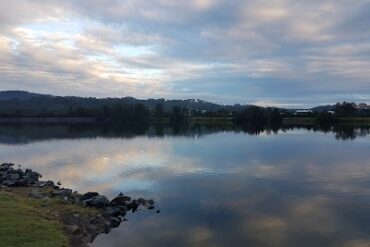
285 53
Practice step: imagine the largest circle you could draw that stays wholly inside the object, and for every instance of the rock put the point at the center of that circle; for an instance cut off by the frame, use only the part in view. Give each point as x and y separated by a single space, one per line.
114 222
111 211
5 166
134 205
158 211
141 201
97 201
89 195
19 171
9 183
151 207
62 193
28 171
107 227
76 198
91 228
31 177
151 201
37 194
73 229
122 208
47 184
120 200
15 177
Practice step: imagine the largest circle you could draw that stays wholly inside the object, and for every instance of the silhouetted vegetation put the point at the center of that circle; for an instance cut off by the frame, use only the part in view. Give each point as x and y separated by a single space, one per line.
16 105
25 133
255 115
325 118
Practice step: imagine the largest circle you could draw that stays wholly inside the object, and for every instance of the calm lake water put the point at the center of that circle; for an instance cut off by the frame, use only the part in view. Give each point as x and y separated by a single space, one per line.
216 188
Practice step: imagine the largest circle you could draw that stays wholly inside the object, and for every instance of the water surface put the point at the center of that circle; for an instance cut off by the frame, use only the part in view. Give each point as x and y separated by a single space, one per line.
214 188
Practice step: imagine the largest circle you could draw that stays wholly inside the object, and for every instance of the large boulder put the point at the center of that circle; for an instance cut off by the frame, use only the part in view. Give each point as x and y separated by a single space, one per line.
115 222
111 211
9 183
89 195
97 201
15 177
120 200
31 177
48 183
6 166
62 193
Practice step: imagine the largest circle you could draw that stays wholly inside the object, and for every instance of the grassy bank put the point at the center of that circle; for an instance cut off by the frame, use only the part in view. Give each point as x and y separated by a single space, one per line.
356 120
312 121
24 223
299 121
211 120
197 120
28 222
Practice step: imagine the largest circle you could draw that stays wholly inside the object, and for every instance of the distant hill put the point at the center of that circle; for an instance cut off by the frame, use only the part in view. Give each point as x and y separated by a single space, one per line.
26 101
323 108
20 95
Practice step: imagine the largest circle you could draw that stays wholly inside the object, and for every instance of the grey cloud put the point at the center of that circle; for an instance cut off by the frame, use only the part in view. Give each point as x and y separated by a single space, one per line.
239 51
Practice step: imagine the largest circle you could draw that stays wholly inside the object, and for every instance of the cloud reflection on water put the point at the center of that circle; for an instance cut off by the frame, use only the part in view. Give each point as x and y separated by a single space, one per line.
297 188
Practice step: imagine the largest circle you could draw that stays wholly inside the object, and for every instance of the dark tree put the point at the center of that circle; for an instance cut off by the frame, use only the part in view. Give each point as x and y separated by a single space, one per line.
158 111
345 109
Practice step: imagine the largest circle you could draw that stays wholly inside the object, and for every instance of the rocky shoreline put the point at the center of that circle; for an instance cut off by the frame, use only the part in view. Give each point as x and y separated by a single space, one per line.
81 229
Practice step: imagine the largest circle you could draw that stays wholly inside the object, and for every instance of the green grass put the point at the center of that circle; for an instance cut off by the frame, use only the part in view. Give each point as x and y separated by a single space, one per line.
355 120
23 223
211 120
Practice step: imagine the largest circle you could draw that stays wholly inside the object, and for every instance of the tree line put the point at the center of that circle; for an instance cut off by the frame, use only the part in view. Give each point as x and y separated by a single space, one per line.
113 110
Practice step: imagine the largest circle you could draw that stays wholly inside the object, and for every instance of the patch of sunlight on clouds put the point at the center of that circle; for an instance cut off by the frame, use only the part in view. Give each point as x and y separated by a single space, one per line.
67 26
133 51
273 103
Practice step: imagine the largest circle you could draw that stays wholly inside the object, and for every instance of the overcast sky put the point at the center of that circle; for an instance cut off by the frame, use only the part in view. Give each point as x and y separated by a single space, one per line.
281 52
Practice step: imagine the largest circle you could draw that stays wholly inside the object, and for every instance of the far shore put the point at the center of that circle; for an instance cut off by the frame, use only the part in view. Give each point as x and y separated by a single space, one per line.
47 120
288 121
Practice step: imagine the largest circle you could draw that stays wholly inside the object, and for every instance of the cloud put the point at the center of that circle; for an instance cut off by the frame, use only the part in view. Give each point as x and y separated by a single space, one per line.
289 52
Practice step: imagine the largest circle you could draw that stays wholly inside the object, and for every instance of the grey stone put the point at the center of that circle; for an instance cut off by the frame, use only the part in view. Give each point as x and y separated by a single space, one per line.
62 193
15 177
89 195
111 211
35 193
114 222
120 200
98 201
73 229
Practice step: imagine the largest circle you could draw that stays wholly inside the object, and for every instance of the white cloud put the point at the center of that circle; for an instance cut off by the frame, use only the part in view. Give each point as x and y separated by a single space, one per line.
145 48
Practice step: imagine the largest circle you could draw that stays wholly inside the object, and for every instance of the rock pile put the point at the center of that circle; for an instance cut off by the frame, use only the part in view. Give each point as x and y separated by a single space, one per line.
81 230
17 177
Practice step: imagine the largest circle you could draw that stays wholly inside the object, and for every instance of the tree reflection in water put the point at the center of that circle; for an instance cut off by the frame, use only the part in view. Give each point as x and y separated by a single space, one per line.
25 133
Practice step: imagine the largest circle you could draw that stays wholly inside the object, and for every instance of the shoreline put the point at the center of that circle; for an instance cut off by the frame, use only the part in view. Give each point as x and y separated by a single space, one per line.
189 120
82 217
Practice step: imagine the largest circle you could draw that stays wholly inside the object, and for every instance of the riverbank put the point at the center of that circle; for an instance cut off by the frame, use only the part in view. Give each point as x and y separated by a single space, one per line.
47 120
24 223
300 121
41 213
